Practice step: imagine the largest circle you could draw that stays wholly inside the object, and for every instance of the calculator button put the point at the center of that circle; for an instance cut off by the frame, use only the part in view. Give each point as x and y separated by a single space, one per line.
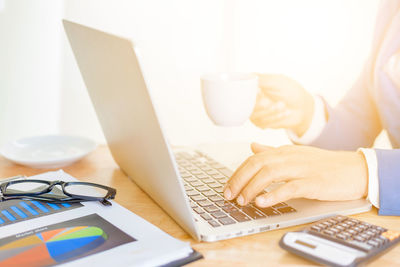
334 230
342 236
340 228
351 231
379 241
380 229
327 224
359 238
391 235
367 225
316 228
332 221
365 236
384 239
320 225
346 234
340 218
351 223
328 232
373 243
369 233
374 231
377 230
362 226
354 221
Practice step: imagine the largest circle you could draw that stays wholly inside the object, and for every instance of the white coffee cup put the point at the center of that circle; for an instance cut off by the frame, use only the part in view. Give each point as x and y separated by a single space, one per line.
229 98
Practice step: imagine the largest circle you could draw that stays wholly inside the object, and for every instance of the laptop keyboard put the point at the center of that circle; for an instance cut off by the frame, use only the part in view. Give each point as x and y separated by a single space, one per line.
204 180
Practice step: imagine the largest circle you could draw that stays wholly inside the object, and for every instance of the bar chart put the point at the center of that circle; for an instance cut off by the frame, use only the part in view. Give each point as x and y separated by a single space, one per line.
13 211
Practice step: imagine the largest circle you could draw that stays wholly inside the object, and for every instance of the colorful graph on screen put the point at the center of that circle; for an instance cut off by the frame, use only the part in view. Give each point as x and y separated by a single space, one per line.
50 246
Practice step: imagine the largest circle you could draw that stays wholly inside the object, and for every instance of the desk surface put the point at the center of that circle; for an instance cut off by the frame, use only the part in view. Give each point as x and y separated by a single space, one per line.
259 249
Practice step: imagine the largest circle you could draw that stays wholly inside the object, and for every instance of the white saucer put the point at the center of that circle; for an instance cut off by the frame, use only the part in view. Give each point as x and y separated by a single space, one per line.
51 151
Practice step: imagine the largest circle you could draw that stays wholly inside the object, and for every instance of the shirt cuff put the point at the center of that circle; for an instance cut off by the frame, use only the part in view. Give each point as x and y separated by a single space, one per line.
373 182
317 124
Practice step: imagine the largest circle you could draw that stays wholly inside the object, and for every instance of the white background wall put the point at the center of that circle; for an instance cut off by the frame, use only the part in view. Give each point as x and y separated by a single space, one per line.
323 44
30 46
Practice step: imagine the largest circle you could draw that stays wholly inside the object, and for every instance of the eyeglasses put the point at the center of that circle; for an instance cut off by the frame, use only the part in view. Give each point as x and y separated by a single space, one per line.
71 192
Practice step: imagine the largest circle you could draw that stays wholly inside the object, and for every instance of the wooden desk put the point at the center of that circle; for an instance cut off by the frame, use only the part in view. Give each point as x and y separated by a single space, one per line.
255 250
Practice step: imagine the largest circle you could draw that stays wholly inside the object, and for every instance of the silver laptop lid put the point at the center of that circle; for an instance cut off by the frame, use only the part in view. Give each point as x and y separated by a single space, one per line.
111 71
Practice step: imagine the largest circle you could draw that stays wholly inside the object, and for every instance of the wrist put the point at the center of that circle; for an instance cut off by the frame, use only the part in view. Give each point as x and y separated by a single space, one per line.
308 112
363 173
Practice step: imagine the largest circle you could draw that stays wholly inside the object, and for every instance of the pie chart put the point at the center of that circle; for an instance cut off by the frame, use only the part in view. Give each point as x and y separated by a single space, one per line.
52 247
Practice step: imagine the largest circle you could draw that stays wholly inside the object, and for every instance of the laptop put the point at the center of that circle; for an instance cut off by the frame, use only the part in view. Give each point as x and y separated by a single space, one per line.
186 183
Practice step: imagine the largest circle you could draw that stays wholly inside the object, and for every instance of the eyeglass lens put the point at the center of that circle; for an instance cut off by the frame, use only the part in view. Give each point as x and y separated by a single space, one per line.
28 187
85 190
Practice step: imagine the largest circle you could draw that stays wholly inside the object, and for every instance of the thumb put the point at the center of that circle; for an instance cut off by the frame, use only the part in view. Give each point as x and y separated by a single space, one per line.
257 148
